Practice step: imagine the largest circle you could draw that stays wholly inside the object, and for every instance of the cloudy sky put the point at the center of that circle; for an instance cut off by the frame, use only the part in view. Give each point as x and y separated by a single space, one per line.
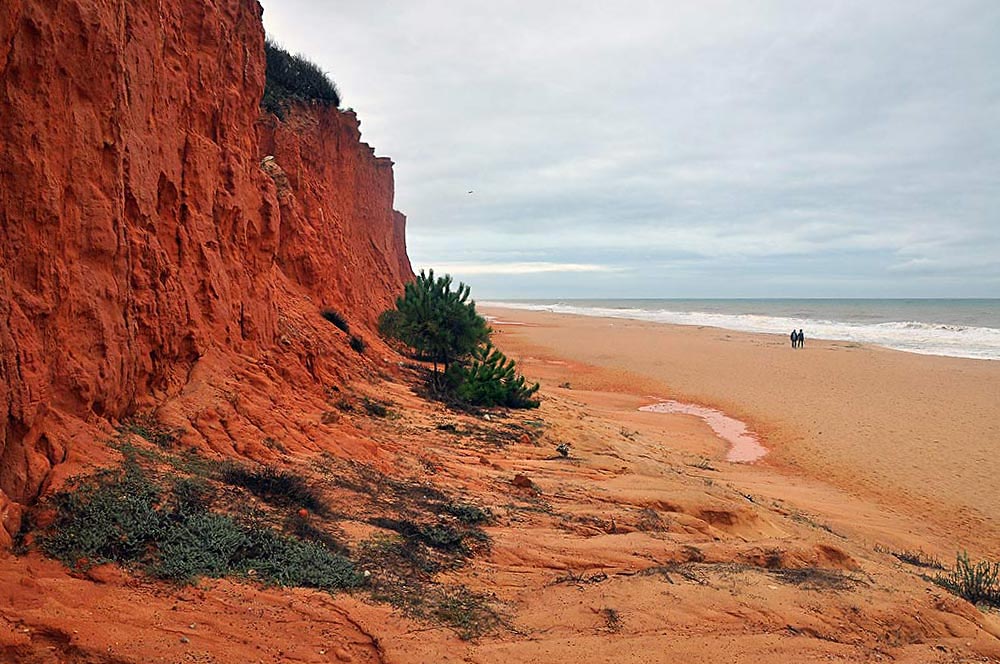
680 149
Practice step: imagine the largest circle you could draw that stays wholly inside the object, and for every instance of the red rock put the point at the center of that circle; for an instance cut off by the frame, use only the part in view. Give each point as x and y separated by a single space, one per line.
107 573
147 257
525 439
522 482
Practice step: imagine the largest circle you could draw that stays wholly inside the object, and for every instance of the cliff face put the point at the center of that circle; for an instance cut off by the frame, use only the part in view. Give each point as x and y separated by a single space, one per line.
152 256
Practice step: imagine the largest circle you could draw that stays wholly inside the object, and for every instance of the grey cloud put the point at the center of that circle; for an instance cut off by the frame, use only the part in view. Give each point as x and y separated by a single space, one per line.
775 148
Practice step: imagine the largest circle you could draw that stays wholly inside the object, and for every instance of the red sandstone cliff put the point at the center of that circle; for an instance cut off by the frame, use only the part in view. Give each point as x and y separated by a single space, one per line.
152 257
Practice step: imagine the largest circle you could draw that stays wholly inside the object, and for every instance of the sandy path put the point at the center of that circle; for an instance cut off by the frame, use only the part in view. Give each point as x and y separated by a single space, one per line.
916 432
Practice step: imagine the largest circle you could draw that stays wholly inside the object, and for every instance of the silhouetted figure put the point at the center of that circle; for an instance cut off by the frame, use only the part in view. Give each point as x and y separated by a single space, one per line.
802 339
795 339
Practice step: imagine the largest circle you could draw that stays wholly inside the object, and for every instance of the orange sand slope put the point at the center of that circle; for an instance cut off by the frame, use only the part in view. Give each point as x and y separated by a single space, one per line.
916 432
641 546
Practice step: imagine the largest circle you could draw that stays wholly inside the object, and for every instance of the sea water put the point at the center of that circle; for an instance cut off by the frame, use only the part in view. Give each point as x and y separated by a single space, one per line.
957 328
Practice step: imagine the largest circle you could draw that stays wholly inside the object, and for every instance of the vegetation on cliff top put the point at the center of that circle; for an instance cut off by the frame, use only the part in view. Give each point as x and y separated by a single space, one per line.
293 78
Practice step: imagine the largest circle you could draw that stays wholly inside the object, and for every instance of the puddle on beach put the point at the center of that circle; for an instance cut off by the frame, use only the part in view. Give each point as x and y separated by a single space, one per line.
744 446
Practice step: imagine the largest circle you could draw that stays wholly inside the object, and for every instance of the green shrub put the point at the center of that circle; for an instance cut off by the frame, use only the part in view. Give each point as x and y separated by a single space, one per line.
468 514
293 78
335 317
358 344
123 516
273 486
978 583
111 516
491 379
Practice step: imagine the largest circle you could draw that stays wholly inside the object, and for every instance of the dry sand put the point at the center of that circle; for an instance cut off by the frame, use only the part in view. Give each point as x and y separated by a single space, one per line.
916 433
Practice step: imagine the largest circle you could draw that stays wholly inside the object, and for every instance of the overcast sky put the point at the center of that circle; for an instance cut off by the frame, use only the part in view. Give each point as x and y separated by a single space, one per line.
680 149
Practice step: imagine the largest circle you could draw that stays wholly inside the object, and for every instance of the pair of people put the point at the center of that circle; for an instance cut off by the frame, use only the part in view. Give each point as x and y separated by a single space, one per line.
798 339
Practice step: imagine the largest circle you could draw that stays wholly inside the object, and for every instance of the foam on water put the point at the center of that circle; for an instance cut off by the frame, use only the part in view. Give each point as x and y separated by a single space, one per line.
912 336
744 446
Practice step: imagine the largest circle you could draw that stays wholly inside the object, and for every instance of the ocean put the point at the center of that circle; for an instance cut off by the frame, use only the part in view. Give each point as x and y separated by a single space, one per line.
956 328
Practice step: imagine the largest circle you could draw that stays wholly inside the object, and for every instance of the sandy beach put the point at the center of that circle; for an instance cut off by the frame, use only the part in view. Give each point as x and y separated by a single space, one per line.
913 433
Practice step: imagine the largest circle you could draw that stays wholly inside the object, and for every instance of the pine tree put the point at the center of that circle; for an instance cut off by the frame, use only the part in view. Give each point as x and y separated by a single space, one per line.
438 322
491 379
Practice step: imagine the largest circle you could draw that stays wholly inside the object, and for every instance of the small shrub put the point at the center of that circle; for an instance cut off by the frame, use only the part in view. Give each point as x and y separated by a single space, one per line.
274 444
468 514
978 583
192 496
437 322
108 517
436 536
276 487
563 450
335 317
358 344
374 408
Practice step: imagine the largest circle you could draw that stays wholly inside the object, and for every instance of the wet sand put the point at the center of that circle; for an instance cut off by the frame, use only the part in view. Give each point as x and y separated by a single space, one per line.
914 433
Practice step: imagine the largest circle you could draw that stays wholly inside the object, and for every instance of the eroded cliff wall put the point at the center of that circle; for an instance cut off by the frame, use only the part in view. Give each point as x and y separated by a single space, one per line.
166 246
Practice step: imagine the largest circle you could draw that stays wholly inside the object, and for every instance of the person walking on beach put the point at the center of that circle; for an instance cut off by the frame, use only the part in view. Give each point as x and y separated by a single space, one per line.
802 338
795 339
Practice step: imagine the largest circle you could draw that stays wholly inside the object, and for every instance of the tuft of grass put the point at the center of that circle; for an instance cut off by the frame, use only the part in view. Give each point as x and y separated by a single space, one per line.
612 619
916 558
146 426
293 78
335 317
357 344
978 583
275 487
374 408
703 464
470 615
815 578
